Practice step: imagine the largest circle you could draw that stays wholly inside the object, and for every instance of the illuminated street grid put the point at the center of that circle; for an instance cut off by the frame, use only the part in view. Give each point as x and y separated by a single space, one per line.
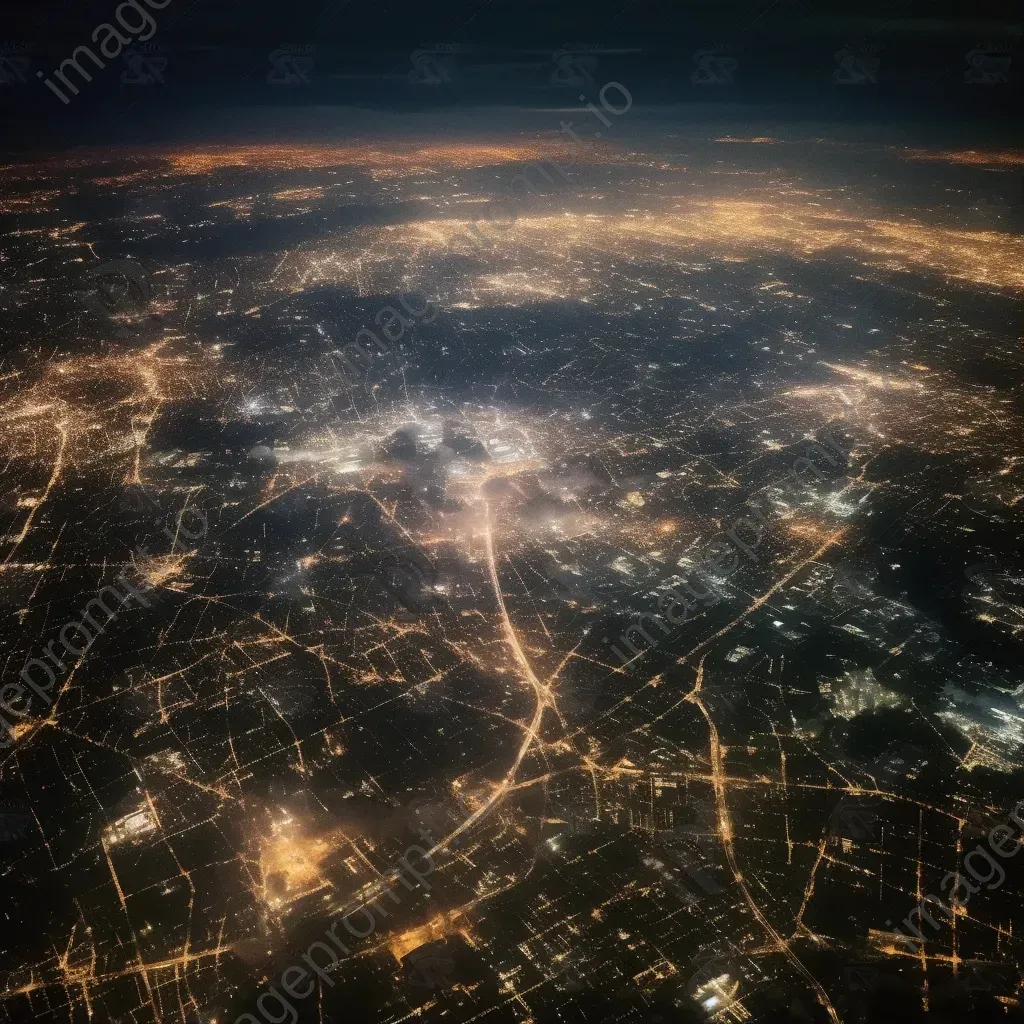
610 382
